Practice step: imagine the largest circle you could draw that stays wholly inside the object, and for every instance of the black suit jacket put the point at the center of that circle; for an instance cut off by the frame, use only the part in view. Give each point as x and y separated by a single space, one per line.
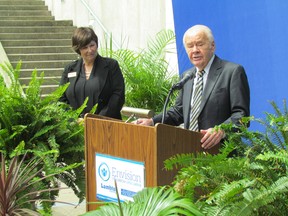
105 88
226 97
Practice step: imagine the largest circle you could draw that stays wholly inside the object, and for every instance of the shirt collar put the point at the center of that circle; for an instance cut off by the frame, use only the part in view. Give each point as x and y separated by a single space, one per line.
207 68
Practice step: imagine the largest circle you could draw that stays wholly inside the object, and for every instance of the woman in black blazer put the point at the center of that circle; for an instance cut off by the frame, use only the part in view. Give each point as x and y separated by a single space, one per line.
93 76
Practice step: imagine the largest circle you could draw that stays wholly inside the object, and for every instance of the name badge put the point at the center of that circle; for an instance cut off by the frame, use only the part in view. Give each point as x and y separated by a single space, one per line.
71 74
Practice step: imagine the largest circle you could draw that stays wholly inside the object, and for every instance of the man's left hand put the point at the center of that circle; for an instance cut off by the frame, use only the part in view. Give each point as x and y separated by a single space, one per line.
211 137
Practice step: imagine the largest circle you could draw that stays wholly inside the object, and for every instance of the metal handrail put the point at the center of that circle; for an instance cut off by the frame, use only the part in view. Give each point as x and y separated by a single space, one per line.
99 22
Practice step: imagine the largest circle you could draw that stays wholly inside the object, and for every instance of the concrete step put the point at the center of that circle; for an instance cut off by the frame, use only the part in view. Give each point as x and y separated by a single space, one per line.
37 29
48 72
26 17
12 23
43 56
46 80
9 12
17 2
30 34
46 89
23 7
26 1
42 64
37 49
36 42
12 36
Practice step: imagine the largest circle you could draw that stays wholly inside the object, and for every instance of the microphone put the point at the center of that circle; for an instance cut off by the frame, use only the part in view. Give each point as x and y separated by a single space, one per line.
181 83
176 86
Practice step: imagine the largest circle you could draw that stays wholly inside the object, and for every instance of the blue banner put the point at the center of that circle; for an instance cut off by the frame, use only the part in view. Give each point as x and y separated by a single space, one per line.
253 33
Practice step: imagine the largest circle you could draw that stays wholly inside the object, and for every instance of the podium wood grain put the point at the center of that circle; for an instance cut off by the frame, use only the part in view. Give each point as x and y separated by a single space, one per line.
151 145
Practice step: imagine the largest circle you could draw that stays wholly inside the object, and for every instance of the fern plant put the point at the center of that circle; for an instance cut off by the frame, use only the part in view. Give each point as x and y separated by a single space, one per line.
43 125
254 182
21 184
147 75
158 201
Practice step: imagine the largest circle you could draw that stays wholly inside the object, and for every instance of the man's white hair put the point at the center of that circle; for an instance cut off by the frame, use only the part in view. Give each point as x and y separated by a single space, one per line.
199 28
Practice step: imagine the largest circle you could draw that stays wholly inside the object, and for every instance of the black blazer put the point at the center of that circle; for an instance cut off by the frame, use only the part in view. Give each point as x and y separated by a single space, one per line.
105 87
226 97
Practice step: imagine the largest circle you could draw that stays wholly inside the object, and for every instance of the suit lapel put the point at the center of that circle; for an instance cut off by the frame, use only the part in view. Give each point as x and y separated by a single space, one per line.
213 76
99 74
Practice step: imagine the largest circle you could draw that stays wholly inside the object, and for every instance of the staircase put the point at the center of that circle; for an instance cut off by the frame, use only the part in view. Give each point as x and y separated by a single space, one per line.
28 32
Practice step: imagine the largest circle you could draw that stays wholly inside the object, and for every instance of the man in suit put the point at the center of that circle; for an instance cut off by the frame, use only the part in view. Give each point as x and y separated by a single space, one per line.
225 97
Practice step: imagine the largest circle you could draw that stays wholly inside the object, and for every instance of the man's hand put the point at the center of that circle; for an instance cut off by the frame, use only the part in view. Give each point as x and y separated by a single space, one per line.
211 137
144 121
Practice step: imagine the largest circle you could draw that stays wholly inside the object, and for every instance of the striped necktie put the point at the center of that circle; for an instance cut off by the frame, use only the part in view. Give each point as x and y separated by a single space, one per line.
197 96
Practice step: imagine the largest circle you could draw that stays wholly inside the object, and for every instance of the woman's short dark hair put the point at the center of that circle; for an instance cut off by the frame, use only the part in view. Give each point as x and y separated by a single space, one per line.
83 36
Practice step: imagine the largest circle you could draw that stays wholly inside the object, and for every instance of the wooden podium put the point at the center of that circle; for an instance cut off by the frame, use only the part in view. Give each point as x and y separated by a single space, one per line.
151 145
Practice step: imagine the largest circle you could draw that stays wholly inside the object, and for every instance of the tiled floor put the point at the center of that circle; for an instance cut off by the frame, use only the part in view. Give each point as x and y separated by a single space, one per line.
60 209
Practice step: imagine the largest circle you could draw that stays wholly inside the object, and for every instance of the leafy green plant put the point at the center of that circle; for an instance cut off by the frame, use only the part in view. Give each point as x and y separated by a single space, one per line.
158 201
18 183
43 125
254 182
148 77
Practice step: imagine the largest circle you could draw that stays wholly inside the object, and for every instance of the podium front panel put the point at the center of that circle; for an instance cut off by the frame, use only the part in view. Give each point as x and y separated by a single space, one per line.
150 145
122 140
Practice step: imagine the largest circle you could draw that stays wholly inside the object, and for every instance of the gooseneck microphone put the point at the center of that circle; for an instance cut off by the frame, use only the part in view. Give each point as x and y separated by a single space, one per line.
181 83
176 86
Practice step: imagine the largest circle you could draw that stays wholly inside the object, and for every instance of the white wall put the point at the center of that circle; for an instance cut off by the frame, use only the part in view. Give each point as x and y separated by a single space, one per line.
131 22
3 60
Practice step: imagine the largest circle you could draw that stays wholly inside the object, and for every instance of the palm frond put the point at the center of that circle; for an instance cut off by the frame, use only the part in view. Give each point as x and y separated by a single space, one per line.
147 76
151 202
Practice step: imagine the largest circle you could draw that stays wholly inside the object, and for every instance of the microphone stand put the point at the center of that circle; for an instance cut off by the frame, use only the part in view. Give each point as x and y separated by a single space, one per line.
166 103
176 86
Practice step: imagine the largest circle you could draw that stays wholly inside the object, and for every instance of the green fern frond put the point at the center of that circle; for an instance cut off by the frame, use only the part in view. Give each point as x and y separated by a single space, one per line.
145 70
15 88
55 95
276 126
72 149
254 199
279 157
82 107
33 90
179 160
19 150
256 167
44 125
230 192
43 130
